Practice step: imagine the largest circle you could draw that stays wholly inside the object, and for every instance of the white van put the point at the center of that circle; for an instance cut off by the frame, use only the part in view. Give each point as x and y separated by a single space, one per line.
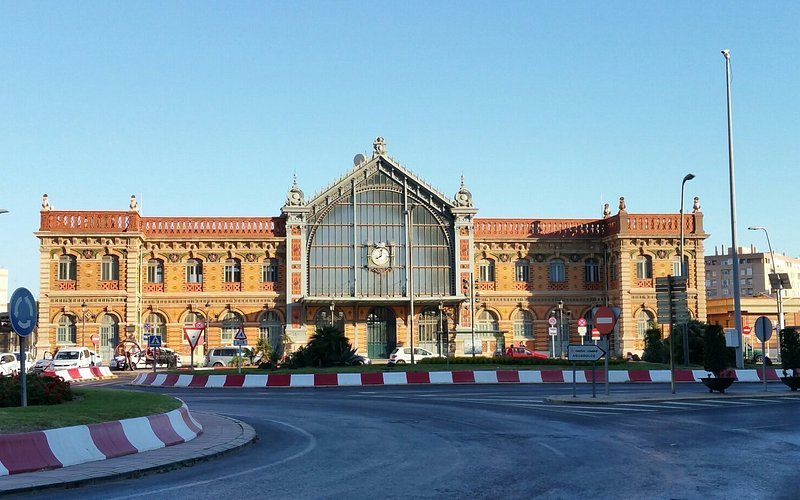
73 357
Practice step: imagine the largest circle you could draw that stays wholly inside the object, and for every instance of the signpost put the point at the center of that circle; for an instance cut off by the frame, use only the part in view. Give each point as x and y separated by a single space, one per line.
95 338
585 353
192 332
672 309
604 321
239 339
763 333
23 315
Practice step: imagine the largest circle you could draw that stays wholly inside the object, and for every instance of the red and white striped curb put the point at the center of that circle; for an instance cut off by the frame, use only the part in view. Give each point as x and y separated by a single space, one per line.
442 377
78 374
54 448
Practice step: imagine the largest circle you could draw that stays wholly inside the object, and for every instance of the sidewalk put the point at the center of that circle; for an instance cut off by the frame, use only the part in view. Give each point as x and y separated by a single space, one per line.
220 435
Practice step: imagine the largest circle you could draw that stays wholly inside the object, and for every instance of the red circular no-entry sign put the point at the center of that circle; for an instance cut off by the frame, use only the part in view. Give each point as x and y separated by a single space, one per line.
745 330
604 320
95 339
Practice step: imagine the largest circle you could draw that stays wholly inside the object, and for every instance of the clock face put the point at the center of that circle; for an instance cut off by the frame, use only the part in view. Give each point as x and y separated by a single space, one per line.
380 256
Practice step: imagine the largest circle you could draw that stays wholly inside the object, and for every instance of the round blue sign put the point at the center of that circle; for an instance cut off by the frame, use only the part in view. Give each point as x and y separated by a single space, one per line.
22 312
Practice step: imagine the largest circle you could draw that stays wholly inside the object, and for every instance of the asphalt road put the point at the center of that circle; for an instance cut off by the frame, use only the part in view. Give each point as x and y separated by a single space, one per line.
500 441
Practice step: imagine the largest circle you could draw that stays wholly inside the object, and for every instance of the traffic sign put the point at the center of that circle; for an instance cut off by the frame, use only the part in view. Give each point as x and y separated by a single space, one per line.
581 322
746 330
147 326
552 320
763 328
604 320
589 352
595 334
553 331
22 312
154 341
581 330
240 335
95 339
192 332
239 343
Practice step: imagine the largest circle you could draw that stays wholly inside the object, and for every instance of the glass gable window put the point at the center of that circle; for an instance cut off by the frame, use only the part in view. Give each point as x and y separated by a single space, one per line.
109 268
486 270
154 325
486 324
522 270
269 271
643 321
155 271
194 271
66 268
592 271
109 331
523 325
371 220
557 271
233 271
66 331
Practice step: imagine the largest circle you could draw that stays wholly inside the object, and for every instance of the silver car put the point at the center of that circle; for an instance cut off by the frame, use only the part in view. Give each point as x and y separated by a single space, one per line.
222 356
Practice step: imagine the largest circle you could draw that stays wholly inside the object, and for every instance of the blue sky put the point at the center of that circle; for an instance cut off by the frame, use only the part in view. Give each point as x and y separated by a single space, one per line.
548 109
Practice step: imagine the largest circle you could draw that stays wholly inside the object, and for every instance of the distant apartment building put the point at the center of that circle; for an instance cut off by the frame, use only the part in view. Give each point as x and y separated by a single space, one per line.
754 270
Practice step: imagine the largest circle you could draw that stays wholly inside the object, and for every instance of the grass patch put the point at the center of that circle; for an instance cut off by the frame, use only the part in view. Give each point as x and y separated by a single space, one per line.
90 406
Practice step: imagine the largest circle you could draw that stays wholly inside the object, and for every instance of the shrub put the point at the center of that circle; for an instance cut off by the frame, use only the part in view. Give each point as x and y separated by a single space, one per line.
40 390
653 346
790 350
715 354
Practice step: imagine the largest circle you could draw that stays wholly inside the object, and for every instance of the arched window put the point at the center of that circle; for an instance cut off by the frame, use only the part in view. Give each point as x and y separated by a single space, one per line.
269 271
643 321
486 324
557 271
66 331
644 267
154 324
109 270
109 331
271 329
323 318
194 271
233 271
522 270
523 325
231 323
155 271
66 268
486 270
592 271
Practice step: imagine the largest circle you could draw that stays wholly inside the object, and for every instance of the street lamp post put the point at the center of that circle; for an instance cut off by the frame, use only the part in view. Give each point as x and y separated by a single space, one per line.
84 309
472 309
737 301
686 178
410 276
779 288
560 329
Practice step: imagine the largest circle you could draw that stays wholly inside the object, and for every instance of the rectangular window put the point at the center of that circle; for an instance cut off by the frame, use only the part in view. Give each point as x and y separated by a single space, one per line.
110 268
592 271
155 272
66 268
522 271
269 272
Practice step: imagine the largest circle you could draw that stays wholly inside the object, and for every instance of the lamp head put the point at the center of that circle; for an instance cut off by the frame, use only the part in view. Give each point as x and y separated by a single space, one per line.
688 177
755 228
84 308
726 53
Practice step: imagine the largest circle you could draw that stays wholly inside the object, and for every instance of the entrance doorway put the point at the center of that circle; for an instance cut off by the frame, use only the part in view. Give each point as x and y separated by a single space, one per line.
381 333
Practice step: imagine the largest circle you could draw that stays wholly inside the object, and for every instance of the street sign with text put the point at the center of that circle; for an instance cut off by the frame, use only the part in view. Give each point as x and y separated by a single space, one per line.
589 352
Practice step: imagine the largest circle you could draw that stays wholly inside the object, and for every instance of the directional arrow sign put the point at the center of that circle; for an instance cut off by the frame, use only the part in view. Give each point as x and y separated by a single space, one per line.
22 312
584 352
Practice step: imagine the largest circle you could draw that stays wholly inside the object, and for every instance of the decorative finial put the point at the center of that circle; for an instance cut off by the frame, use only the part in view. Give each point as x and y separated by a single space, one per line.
696 206
622 204
606 211
134 204
294 198
46 203
463 197
378 147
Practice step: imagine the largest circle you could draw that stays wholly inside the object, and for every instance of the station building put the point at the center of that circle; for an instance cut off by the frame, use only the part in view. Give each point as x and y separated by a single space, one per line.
379 253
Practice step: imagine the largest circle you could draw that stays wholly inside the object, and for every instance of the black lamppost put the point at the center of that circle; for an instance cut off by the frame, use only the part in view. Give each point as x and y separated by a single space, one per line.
83 328
686 178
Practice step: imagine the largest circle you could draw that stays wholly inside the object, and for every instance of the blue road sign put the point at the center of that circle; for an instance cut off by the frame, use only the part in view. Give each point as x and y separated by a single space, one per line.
22 312
154 341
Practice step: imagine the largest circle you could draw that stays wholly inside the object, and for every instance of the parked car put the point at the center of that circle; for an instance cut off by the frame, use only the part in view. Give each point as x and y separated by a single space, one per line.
8 364
44 364
74 357
520 352
222 356
30 361
402 355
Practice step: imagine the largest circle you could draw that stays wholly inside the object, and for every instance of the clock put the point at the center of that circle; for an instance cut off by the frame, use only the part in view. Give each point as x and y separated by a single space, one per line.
380 256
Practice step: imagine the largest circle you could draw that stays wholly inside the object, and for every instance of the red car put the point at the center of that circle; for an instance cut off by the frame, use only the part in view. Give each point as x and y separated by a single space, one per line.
521 352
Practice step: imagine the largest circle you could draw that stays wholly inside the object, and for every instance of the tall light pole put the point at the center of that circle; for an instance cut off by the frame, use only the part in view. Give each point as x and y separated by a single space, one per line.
779 289
84 309
686 178
737 301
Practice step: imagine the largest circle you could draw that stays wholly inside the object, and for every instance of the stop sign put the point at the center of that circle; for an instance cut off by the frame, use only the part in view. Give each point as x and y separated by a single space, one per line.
745 330
95 339
604 320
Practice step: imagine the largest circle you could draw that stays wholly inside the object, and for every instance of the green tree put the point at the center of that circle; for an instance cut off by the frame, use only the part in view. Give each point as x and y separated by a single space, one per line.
790 351
328 346
653 346
715 355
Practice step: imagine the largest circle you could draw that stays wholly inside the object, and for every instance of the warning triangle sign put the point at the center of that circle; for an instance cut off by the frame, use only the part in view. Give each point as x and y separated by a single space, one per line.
240 335
192 333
